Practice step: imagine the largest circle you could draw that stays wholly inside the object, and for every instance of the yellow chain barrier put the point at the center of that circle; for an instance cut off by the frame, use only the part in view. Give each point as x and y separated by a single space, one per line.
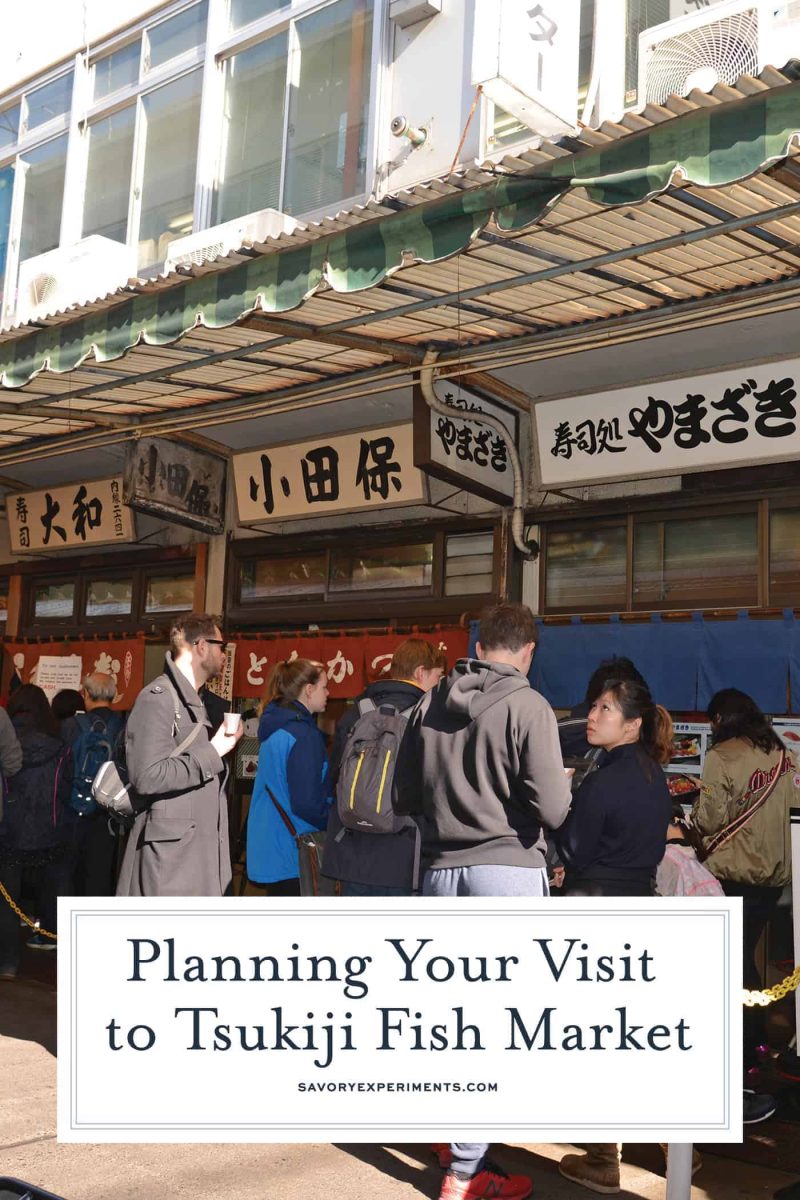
23 917
771 994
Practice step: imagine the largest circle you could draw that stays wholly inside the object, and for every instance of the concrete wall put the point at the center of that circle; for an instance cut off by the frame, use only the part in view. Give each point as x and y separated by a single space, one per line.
38 34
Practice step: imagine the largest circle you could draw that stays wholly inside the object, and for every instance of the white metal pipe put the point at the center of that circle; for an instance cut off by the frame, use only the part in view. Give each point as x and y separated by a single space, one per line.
679 1171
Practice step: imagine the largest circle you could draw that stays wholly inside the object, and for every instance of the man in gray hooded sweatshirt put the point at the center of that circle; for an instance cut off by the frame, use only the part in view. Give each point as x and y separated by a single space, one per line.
481 764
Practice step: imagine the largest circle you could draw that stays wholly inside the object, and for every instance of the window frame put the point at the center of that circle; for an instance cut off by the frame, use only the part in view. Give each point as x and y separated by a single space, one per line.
355 606
761 507
82 573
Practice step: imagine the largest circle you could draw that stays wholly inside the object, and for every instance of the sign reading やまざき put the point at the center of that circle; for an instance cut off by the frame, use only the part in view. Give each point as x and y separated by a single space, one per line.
81 514
366 469
674 427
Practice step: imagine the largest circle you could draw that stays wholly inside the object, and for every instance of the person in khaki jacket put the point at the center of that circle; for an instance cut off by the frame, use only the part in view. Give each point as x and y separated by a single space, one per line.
746 762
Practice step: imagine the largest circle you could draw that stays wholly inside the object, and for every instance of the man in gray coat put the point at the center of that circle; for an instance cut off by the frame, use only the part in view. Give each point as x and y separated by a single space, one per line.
179 842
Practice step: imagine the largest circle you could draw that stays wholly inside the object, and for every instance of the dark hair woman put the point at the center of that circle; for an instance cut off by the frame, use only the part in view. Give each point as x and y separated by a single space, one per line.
747 760
37 825
615 834
293 767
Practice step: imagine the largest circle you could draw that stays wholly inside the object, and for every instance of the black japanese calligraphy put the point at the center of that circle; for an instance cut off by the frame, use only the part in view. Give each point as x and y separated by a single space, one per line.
736 414
591 437
384 469
775 408
320 468
689 432
652 424
86 512
51 511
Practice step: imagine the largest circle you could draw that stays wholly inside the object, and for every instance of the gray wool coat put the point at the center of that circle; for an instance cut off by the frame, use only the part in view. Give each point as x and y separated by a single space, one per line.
179 843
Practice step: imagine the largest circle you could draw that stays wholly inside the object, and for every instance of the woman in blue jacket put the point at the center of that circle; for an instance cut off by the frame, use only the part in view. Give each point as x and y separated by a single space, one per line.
293 767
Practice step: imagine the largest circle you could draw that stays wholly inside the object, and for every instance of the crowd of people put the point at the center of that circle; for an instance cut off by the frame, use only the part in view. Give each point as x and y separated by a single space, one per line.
440 784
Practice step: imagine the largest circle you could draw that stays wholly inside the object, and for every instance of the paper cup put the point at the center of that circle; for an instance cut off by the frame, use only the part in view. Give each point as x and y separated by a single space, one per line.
231 722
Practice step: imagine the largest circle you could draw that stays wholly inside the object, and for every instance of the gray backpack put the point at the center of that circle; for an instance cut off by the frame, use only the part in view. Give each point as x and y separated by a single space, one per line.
364 787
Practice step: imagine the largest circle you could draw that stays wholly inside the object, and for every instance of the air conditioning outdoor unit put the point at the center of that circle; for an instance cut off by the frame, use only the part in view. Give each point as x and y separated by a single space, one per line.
715 45
76 274
208 244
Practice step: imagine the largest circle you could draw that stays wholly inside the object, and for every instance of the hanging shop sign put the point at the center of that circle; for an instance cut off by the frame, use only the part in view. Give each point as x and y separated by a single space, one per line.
82 514
525 57
177 482
54 664
464 452
699 423
371 469
351 661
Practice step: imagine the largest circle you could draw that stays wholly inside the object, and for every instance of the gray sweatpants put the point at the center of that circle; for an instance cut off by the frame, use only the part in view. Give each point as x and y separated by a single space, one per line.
468 1157
486 881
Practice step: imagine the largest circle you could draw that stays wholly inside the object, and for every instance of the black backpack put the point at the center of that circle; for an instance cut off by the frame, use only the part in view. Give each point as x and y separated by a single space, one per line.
95 746
366 777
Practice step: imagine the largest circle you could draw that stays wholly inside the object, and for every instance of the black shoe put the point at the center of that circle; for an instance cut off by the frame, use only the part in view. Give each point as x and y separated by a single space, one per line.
757 1107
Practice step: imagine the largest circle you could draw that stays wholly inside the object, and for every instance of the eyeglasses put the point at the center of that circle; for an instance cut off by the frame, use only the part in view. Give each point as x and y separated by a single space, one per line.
212 642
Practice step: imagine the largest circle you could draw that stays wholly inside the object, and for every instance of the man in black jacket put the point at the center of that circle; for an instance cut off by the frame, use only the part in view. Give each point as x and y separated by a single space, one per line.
373 864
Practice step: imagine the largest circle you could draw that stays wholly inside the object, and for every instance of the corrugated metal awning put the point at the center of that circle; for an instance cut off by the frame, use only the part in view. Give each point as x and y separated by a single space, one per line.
542 243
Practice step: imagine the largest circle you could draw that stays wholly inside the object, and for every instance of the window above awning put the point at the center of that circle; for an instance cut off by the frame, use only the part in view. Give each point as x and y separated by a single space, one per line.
537 244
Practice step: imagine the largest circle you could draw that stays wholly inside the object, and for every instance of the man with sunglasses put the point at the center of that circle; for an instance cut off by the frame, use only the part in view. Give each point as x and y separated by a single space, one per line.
175 760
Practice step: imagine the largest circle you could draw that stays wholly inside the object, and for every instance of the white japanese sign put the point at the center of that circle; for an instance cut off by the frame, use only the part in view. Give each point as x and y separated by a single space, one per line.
698 423
525 57
465 452
369 469
81 514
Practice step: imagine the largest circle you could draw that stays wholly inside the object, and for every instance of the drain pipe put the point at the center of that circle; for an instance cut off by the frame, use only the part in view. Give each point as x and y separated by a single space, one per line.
445 410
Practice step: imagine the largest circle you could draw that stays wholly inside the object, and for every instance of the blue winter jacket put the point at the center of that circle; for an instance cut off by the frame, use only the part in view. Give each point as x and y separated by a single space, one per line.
292 761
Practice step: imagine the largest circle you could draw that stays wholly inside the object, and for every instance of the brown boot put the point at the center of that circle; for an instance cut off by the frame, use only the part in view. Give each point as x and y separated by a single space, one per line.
597 1169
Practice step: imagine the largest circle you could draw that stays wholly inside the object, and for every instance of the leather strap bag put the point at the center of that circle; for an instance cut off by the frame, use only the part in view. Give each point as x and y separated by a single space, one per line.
724 836
309 856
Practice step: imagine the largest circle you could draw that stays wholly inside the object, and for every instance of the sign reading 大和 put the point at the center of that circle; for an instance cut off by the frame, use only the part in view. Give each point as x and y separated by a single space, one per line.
367 469
177 482
671 428
464 452
82 514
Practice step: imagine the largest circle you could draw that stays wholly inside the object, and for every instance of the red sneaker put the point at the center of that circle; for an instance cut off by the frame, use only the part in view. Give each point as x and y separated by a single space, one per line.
492 1183
443 1153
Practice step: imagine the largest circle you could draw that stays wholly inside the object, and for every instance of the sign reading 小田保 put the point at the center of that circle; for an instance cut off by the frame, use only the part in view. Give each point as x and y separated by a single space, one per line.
464 451
697 423
81 514
367 469
177 482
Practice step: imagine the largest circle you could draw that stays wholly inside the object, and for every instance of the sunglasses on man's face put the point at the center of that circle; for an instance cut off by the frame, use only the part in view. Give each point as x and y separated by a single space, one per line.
213 642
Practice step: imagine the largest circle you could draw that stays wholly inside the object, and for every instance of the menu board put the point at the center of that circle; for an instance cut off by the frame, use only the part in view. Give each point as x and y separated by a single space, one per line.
788 730
690 743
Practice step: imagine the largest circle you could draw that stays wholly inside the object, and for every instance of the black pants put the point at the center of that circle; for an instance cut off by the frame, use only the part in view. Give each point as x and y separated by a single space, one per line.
49 881
758 905
94 856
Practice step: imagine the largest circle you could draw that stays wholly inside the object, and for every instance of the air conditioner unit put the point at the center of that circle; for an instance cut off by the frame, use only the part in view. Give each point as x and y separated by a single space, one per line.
718 44
76 274
208 244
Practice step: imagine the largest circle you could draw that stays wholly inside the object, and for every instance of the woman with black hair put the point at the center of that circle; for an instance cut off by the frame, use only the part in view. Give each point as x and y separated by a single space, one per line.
36 827
749 784
616 832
